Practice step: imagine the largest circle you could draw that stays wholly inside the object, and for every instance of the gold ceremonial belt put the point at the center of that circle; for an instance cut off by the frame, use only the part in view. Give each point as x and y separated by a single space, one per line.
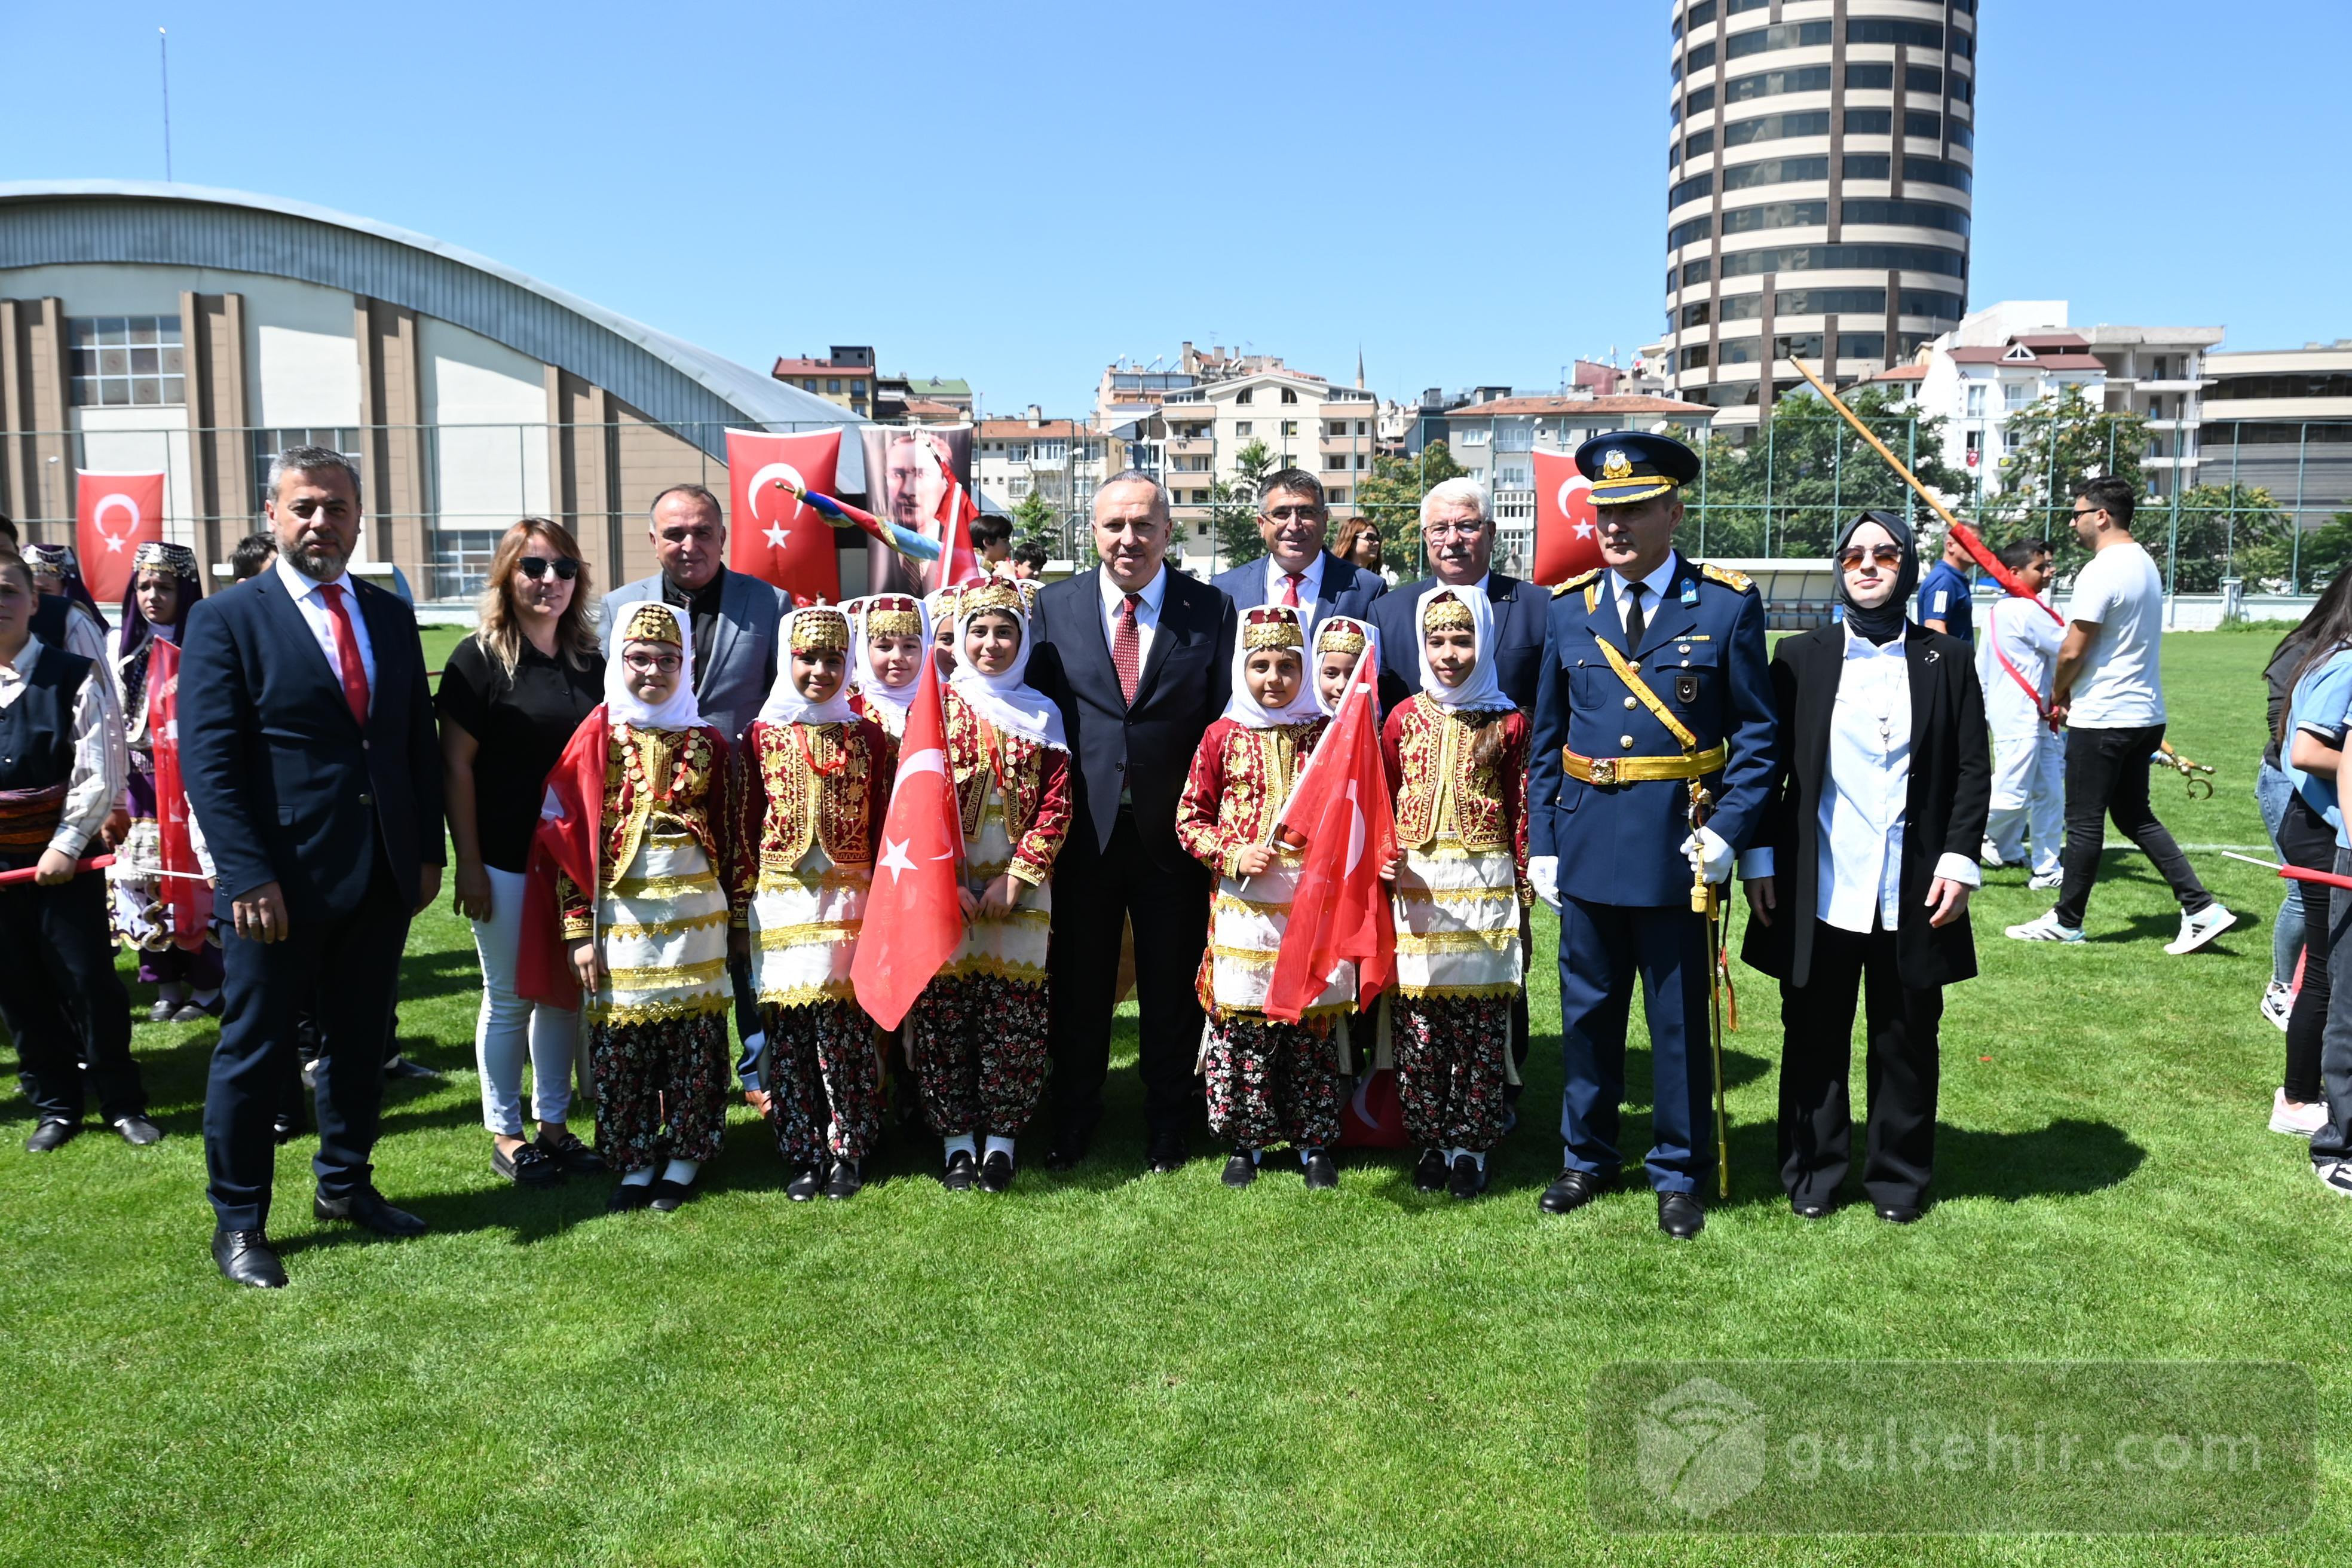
1638 770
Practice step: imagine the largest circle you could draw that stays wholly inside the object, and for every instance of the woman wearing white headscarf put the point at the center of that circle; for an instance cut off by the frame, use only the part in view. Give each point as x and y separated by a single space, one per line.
976 1037
1457 760
812 786
650 947
1269 1081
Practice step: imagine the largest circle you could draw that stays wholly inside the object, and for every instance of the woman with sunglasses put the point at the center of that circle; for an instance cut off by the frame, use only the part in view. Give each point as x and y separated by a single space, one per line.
1872 826
511 699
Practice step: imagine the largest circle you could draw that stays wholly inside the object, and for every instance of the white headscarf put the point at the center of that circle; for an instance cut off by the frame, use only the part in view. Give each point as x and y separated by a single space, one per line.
786 705
1245 709
1370 659
1481 692
862 679
1008 700
622 706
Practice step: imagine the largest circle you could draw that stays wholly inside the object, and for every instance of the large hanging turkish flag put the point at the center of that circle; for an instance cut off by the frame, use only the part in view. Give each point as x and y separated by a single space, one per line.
775 536
114 514
1568 529
914 922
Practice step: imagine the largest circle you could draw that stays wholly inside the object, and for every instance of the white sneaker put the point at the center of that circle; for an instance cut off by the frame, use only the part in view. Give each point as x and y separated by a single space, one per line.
2336 1178
2041 881
1990 856
2296 1120
2278 1005
2200 927
2045 929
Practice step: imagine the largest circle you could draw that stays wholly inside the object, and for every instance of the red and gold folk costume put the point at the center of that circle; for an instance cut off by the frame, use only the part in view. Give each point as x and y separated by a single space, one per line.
1268 1081
812 786
976 1037
1458 774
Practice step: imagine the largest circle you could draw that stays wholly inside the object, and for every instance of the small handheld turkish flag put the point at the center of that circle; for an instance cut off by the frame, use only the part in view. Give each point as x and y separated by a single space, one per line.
957 512
777 537
1340 910
114 514
913 919
1568 529
565 840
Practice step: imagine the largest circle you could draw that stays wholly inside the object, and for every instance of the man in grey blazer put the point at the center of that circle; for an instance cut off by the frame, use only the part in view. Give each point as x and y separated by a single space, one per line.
733 618
1299 567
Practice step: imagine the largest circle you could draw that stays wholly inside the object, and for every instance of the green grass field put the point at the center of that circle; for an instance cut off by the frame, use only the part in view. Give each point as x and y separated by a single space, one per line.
1104 1367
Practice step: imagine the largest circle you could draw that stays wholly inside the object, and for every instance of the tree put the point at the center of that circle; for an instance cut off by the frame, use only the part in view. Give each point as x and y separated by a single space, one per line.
1391 499
1232 506
1807 473
2055 443
2225 530
2326 550
1035 517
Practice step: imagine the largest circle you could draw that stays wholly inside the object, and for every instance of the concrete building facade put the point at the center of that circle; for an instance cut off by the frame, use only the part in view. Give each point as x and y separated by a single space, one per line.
2282 419
1496 440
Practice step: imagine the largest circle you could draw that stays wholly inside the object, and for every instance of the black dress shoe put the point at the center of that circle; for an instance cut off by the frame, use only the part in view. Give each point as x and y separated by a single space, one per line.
528 1166
1065 1156
1899 1214
1809 1208
628 1195
244 1257
138 1131
367 1209
1322 1172
667 1196
573 1157
1428 1171
284 1129
996 1172
1468 1178
1241 1169
961 1171
847 1180
1168 1153
1571 1190
806 1182
161 1012
51 1135
1680 1216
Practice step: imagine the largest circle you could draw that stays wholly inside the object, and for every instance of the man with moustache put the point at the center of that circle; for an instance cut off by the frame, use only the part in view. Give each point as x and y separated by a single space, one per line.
1299 569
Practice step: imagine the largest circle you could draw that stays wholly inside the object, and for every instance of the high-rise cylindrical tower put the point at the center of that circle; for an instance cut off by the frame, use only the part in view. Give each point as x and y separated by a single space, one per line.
1818 190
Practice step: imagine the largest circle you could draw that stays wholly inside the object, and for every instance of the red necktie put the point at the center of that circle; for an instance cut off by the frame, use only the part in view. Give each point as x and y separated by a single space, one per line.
1290 588
1127 649
347 654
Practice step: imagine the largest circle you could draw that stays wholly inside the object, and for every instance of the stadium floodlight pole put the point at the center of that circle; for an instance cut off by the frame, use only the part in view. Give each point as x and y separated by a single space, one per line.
1959 531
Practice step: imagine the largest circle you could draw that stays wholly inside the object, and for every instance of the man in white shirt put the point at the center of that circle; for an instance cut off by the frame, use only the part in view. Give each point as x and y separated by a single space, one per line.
2015 658
2109 692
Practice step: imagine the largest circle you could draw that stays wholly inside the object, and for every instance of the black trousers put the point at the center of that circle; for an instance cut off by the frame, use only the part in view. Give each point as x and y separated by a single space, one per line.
1900 1071
2107 775
61 999
2333 1142
346 968
1094 896
2307 840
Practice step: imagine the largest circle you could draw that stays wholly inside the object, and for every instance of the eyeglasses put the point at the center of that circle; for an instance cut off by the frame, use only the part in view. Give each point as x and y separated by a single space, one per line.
1884 554
537 567
1285 513
1452 529
647 664
2089 511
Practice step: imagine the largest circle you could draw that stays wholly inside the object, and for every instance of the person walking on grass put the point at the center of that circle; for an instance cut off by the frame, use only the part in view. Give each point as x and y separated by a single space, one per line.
2109 692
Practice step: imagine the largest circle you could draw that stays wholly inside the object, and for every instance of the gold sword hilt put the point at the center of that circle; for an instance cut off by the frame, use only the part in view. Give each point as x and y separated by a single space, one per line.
1702 892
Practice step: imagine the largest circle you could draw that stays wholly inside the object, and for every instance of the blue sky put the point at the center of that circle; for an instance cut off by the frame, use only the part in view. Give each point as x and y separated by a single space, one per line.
1472 192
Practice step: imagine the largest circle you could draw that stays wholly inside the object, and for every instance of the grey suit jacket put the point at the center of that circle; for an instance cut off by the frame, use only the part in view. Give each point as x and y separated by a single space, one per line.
732 684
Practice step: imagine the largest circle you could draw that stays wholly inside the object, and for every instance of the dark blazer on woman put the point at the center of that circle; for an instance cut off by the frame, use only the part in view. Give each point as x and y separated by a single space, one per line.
1951 787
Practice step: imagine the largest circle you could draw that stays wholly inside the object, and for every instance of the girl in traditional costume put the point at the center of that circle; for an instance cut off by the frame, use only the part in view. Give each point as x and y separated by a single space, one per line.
1457 758
1269 1081
184 967
976 1037
814 784
650 941
890 634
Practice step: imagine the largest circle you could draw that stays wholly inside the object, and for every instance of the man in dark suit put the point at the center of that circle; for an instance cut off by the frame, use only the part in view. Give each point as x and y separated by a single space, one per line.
1458 527
1299 567
312 765
1140 660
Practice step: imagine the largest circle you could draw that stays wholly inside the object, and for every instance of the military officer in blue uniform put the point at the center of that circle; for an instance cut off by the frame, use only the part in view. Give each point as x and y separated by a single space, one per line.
1654 680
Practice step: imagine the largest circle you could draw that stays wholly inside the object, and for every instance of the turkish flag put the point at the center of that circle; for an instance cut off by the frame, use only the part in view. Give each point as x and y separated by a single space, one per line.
958 564
776 536
1340 910
1568 529
913 919
565 841
185 891
114 514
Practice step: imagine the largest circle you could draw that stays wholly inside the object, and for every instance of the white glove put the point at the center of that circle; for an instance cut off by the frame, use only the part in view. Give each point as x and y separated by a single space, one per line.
1543 875
1708 854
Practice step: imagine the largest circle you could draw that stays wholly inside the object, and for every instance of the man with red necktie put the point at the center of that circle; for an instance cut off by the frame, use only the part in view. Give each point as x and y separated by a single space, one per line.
310 759
1298 568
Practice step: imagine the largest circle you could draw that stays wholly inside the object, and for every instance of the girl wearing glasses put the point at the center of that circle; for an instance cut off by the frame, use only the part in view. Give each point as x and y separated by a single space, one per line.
512 697
1873 824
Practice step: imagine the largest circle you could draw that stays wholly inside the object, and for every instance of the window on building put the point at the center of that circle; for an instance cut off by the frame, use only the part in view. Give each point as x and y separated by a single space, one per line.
1693 358
1289 429
1699 271
808 384
1927 303
1690 233
1335 462
1738 351
1335 429
1760 40
1690 190
1695 315
268 443
2016 394
1924 79
1474 435
832 383
1700 57
1770 84
1775 172
1827 302
1242 428
1870 78
1928 125
1245 394
1699 100
1290 395
1908 215
1019 486
1512 476
1775 126
1777 215
1861 345
1976 400
1797 345
1876 30
1740 307
856 389
1336 495
1699 142
1868 165
1868 123
1363 459
1362 427
460 566
127 361
1699 15
1844 259
1962 136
